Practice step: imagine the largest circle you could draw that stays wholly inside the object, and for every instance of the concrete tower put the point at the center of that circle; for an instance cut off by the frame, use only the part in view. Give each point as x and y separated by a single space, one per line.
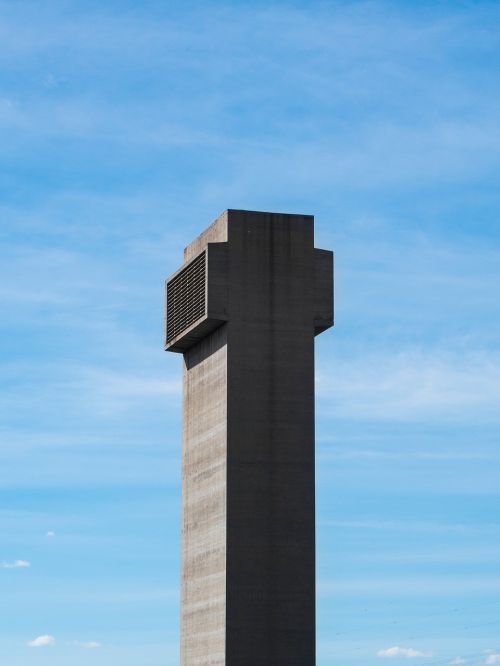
244 309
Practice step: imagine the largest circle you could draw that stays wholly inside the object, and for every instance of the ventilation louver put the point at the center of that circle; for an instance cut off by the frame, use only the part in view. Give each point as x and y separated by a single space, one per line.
186 300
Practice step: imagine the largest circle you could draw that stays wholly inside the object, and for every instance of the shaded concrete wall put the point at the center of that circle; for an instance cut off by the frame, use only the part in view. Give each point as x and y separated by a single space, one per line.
270 450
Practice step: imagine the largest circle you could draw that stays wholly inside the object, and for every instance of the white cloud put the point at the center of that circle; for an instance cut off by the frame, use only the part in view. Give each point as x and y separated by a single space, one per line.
406 526
493 658
416 586
88 645
457 661
112 384
17 564
439 145
50 534
412 384
43 641
406 653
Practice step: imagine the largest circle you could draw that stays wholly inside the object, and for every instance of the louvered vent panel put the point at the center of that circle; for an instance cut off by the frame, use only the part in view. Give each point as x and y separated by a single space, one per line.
186 297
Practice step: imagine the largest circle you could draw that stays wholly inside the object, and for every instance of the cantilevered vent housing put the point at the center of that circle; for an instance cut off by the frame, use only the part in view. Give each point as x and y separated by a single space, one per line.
186 296
196 298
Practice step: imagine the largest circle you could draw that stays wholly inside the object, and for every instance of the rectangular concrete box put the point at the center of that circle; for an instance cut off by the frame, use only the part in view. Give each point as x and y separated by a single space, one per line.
248 581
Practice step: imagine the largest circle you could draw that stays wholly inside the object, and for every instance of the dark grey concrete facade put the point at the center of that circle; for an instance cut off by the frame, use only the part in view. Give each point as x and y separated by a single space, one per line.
248 585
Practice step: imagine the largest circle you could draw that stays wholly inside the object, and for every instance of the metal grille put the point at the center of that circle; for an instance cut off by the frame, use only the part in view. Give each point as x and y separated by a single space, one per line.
186 297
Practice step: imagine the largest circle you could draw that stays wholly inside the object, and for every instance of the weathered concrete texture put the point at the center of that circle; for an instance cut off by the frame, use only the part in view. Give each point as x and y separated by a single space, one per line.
204 502
215 233
249 491
203 612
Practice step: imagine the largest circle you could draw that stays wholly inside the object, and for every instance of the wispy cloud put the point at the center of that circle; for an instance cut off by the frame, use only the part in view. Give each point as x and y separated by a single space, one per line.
87 645
17 564
42 641
120 386
358 54
458 661
410 586
410 385
103 391
493 658
352 453
428 527
402 652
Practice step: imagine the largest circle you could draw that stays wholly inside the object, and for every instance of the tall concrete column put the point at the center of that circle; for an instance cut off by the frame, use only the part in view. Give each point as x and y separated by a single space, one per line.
244 310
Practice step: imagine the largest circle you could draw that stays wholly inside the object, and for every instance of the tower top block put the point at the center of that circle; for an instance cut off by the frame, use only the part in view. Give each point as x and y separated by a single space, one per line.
223 267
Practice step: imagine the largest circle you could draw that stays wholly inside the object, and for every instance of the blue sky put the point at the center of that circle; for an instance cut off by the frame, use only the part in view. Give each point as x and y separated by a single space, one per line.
127 127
